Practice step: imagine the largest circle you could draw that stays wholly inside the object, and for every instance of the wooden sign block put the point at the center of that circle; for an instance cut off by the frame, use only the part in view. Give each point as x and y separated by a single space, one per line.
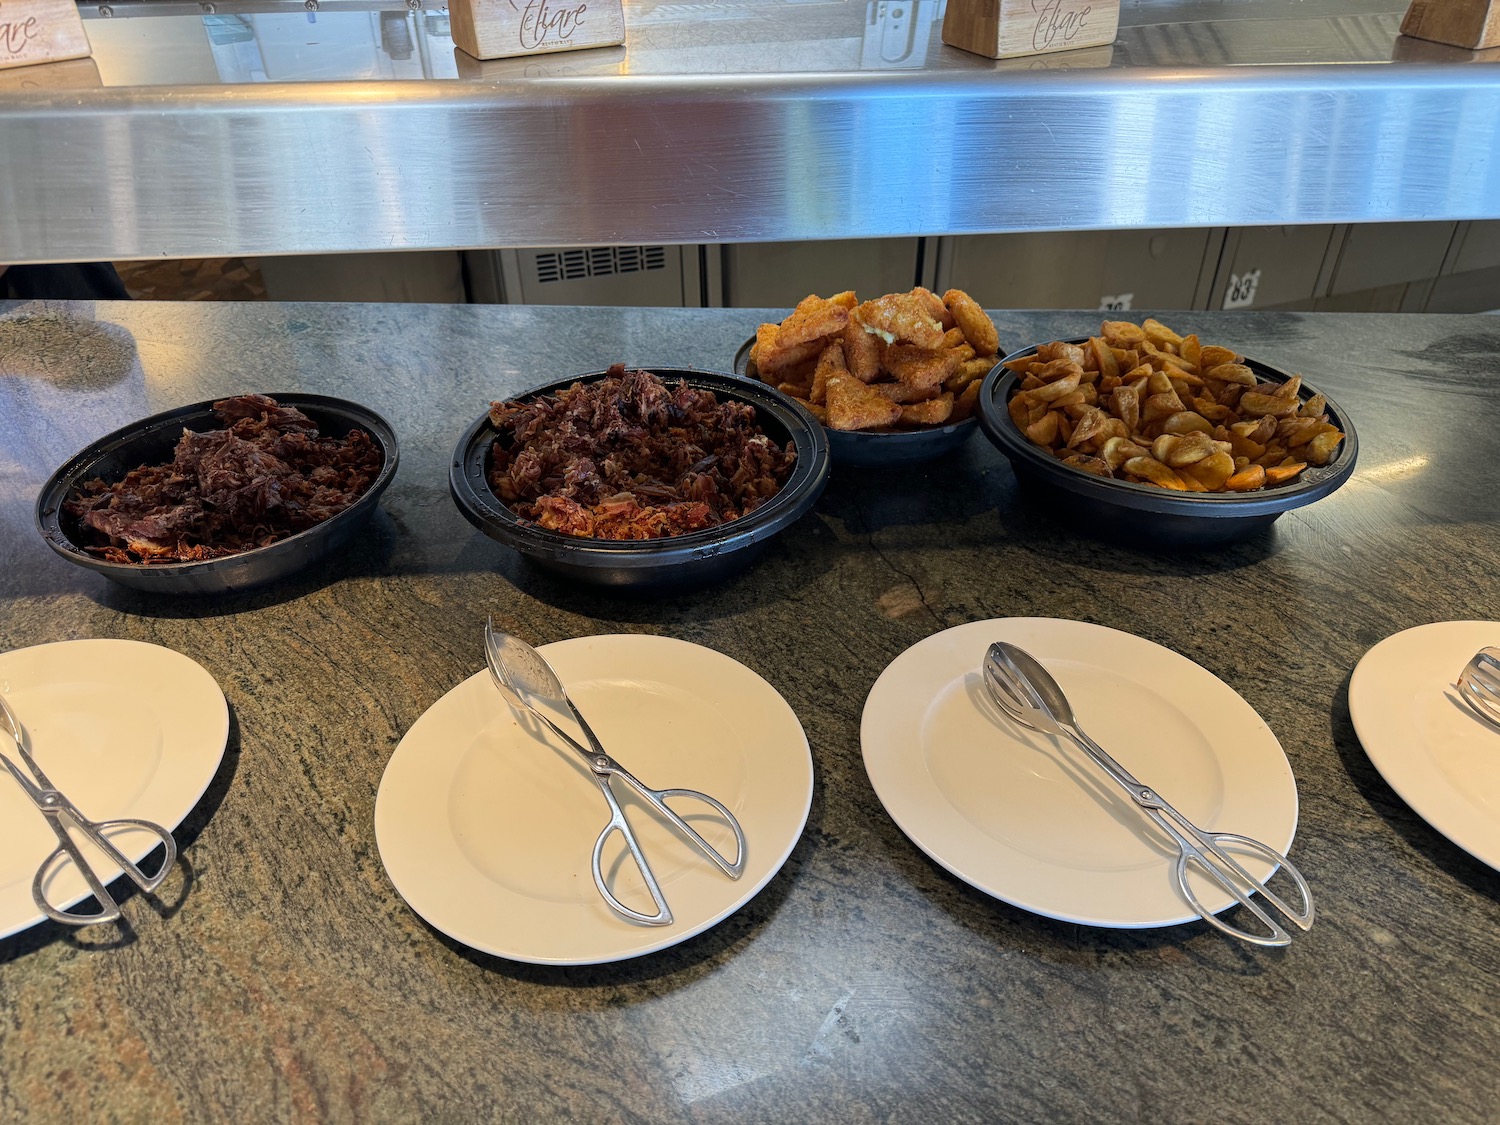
1005 29
38 31
1407 49
499 29
73 74
1463 23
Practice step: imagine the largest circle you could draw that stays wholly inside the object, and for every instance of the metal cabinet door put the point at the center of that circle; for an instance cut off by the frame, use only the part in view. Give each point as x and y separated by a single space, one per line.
1263 267
779 274
1471 291
1478 247
1160 269
428 276
1374 255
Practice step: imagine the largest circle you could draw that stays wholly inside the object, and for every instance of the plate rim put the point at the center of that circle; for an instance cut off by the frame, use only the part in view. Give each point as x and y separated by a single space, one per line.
661 938
956 865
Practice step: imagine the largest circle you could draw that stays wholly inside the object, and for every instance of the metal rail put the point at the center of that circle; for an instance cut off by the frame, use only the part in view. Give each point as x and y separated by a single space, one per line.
258 128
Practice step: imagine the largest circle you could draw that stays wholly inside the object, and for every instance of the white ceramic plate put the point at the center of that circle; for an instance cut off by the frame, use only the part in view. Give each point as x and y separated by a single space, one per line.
1028 818
1441 758
125 729
487 831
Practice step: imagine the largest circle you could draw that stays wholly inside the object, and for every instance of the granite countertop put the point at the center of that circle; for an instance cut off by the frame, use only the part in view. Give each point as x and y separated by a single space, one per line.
284 978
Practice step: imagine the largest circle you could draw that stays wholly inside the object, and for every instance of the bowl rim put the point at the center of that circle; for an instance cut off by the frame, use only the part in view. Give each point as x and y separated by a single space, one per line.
809 476
1313 484
65 479
902 437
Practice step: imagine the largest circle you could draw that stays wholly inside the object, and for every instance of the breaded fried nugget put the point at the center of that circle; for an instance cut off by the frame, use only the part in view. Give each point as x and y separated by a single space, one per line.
902 317
919 367
765 340
904 394
977 326
861 351
799 372
935 306
846 299
818 412
830 363
812 319
770 358
969 370
967 402
854 406
933 412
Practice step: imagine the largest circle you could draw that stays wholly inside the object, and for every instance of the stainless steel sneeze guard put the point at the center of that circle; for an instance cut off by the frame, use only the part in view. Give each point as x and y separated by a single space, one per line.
732 122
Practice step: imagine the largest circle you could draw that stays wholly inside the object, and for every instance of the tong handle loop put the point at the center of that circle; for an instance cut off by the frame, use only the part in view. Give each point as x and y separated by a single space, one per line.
618 823
68 851
1228 873
1203 850
657 798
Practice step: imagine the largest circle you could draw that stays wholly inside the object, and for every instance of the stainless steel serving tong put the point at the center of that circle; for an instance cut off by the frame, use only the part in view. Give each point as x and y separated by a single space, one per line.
531 687
1479 685
61 813
1027 693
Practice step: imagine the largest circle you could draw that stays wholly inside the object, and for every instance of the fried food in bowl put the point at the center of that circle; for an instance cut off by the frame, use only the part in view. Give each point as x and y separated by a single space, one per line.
1145 435
894 379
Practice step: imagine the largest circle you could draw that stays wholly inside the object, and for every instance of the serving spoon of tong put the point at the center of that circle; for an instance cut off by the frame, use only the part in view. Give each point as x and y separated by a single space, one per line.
1027 693
531 687
1479 685
61 813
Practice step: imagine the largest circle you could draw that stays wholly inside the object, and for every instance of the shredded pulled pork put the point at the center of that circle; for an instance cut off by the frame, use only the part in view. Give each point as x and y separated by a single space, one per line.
267 475
629 457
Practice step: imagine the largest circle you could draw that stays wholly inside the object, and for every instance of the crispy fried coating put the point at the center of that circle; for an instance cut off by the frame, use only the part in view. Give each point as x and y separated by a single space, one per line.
969 371
902 317
861 351
813 408
1167 410
976 324
904 349
830 363
932 412
919 367
935 307
904 393
799 372
812 319
854 406
765 341
770 358
967 402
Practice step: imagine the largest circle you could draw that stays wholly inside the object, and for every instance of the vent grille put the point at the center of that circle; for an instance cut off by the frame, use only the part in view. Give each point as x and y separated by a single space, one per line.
598 261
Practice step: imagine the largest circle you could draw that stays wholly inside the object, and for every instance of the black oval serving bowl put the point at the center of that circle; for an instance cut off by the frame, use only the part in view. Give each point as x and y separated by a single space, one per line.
1144 514
694 559
880 448
151 442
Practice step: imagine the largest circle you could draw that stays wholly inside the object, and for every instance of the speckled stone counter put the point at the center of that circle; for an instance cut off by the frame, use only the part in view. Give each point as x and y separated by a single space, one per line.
284 978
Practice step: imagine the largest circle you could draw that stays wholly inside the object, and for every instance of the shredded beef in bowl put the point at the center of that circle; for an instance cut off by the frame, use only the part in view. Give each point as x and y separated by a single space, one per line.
265 476
630 456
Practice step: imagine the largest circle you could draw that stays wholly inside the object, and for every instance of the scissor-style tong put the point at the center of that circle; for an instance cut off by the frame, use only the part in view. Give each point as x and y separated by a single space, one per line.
528 682
61 813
